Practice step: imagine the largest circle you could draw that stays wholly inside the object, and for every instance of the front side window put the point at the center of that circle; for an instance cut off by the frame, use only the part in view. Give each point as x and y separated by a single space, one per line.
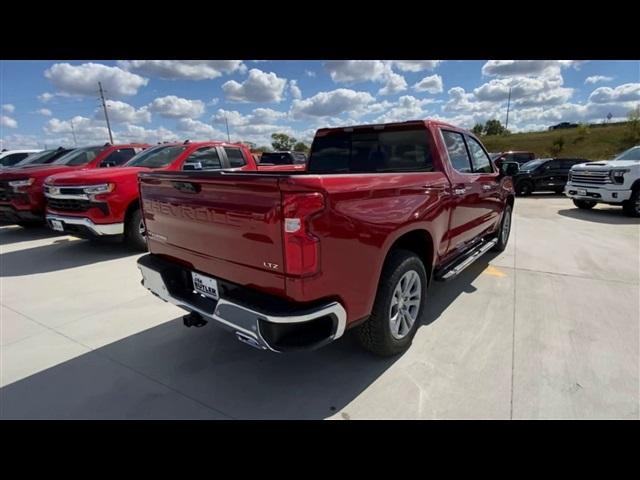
458 155
372 151
480 160
206 158
236 159
13 158
631 154
158 157
79 156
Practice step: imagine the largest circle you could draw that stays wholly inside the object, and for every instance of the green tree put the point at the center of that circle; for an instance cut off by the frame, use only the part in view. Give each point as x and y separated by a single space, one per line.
557 146
264 148
301 147
634 124
493 127
477 129
282 141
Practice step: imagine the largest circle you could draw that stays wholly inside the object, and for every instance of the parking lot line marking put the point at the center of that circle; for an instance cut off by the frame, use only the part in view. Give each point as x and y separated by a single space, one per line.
494 272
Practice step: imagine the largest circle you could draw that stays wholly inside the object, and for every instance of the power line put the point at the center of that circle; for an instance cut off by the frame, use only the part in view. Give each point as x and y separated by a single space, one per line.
106 115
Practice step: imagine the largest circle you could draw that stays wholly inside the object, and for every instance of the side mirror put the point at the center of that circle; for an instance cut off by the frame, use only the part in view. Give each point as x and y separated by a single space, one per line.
192 166
509 169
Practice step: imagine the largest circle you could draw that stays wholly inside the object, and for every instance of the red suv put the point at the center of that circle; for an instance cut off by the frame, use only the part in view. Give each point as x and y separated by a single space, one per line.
22 200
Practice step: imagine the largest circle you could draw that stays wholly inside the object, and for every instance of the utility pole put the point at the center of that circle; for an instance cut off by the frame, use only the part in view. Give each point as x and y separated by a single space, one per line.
106 115
508 106
73 130
227 124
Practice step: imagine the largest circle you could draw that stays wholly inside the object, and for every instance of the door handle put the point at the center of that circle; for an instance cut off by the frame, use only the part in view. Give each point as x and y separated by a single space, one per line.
459 191
487 187
434 188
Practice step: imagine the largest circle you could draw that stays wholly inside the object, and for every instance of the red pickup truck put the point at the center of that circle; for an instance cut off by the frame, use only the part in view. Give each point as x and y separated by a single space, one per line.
22 199
104 203
291 260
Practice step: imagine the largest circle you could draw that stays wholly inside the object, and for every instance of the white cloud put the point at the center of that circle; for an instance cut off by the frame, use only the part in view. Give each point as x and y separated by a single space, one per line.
355 71
310 73
258 87
183 69
44 111
196 130
416 65
295 89
255 127
87 130
121 112
83 79
331 103
6 121
395 84
136 133
45 97
525 91
176 107
597 79
505 68
213 102
430 84
407 108
629 92
8 107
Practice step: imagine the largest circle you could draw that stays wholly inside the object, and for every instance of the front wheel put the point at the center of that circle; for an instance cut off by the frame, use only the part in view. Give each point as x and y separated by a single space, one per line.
632 206
584 204
135 233
505 230
524 188
399 305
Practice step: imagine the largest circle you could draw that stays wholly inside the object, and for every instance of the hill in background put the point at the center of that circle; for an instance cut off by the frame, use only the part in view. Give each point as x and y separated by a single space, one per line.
596 142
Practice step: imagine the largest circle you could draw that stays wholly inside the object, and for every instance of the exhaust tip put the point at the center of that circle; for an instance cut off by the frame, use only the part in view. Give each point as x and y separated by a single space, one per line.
249 341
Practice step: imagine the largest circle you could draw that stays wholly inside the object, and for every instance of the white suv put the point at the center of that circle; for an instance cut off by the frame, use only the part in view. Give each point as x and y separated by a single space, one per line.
616 182
9 158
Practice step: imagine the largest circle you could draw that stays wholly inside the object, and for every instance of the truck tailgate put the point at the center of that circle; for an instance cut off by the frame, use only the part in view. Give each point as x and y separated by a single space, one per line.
225 225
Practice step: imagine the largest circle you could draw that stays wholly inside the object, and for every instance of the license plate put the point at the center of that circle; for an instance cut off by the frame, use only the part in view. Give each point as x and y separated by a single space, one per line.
57 225
205 285
582 192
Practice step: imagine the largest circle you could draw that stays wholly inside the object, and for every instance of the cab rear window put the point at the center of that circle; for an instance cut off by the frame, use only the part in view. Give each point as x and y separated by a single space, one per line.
371 152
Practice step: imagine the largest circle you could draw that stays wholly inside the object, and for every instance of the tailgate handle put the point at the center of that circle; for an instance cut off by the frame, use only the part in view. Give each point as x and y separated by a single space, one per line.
186 187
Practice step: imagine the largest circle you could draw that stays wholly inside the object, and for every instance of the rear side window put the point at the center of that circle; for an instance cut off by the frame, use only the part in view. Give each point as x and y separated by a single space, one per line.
236 159
480 160
206 158
458 155
118 157
371 151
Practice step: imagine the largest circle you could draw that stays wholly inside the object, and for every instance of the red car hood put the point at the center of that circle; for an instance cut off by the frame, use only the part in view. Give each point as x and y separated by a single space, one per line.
97 175
39 172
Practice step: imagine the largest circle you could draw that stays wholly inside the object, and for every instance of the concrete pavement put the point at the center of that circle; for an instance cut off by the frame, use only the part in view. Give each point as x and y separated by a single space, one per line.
547 329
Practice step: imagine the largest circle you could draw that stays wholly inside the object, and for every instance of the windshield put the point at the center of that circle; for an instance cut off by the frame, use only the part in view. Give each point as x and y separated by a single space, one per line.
37 158
532 165
157 157
80 156
632 154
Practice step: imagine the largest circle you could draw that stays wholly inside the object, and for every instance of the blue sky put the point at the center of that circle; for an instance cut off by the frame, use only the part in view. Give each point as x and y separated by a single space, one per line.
45 102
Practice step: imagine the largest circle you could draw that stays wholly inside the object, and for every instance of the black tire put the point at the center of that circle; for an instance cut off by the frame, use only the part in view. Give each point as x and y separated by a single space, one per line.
503 238
375 333
133 236
632 206
584 204
559 191
524 188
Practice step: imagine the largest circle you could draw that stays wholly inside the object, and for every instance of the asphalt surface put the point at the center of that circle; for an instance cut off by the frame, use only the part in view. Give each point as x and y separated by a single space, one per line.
547 329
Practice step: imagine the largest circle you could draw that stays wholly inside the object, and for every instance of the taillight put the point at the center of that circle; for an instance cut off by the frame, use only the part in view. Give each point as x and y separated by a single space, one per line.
301 247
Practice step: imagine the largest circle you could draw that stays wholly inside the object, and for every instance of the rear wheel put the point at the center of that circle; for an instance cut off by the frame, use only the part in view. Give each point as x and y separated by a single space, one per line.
524 188
399 305
632 206
584 204
135 234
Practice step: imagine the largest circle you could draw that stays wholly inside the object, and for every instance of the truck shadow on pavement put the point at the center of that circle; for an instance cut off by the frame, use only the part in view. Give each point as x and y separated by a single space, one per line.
14 234
169 371
63 253
612 216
